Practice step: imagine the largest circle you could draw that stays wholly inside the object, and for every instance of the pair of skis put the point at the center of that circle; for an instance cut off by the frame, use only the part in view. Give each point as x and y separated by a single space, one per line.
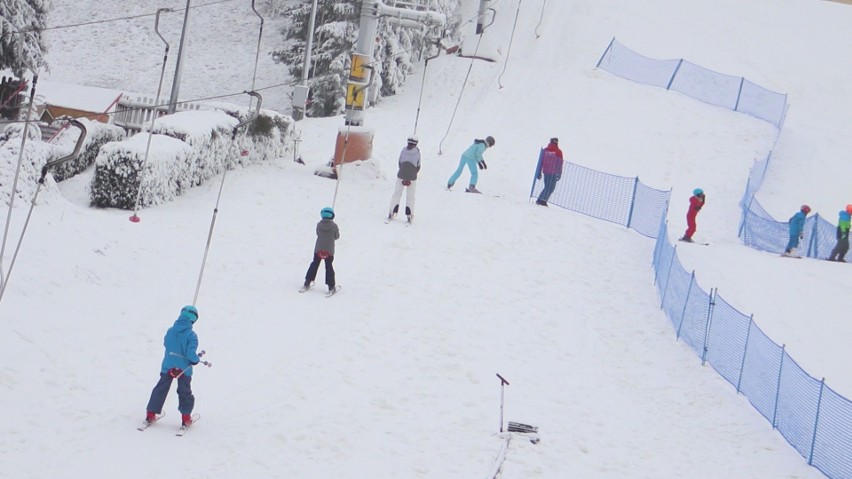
183 428
390 218
327 295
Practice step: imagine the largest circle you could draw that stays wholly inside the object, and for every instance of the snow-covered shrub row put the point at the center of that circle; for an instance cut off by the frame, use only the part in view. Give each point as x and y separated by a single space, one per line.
266 138
97 134
186 149
36 155
116 182
15 131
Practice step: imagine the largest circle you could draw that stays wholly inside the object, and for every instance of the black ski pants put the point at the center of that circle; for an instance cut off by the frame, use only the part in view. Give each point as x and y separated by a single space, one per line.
314 267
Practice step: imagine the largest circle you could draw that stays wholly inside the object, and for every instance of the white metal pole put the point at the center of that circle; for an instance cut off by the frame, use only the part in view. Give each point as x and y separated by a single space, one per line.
173 99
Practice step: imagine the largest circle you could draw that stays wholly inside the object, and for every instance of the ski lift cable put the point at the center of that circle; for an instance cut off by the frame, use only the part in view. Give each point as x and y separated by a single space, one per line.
135 217
245 122
340 169
17 175
461 93
423 83
257 53
541 18
44 170
509 48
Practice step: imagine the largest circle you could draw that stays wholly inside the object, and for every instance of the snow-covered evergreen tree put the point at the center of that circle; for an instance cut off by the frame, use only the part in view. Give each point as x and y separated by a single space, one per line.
336 32
21 45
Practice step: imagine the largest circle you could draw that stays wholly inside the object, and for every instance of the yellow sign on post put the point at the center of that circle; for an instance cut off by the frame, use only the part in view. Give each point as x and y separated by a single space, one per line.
358 72
355 95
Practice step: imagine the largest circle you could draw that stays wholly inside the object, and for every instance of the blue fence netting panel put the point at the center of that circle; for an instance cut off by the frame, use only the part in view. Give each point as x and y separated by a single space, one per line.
591 192
664 262
706 85
726 341
761 103
676 292
798 399
624 62
693 326
833 439
760 372
700 83
649 209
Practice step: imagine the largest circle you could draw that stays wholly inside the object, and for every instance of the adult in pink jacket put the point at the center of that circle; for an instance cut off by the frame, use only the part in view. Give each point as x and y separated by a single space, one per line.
549 167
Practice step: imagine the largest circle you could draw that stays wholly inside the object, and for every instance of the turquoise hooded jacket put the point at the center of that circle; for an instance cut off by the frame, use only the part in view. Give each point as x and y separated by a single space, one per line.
181 340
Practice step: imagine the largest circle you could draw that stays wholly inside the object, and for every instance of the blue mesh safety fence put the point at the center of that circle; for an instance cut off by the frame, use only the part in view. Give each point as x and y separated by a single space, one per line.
618 199
697 82
815 420
812 417
833 436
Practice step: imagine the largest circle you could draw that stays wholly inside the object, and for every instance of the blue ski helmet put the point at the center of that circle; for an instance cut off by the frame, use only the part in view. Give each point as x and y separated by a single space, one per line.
327 212
190 312
697 191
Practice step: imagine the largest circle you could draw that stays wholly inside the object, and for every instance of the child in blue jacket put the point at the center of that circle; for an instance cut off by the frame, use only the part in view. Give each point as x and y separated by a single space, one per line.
797 231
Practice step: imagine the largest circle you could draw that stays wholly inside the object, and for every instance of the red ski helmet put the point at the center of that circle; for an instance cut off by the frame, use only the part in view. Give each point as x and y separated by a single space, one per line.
849 209
806 209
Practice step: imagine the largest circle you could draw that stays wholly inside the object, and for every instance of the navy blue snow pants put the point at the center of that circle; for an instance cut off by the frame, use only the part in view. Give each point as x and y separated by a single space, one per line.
186 401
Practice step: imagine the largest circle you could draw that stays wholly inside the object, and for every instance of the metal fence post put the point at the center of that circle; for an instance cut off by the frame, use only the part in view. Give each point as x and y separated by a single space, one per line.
632 202
745 352
668 277
685 303
712 302
778 386
816 422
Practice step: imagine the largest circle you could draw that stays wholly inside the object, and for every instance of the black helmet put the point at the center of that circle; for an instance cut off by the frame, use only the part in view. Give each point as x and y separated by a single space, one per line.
489 140
554 140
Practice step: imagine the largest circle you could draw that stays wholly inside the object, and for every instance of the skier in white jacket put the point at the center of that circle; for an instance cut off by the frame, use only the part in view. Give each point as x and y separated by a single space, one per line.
406 179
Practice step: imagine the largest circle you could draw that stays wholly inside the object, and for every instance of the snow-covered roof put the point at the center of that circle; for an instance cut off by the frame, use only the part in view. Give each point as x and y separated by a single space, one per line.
79 97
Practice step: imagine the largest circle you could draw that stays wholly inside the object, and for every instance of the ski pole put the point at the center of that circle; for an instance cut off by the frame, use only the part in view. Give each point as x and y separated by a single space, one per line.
206 363
503 383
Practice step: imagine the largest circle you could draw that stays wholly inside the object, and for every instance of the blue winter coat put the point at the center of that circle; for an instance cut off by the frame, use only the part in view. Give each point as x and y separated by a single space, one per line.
474 152
797 223
182 340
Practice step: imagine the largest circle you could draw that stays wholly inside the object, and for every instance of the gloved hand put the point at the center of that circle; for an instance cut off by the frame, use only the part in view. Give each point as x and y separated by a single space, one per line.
482 165
193 363
175 372
539 177
801 236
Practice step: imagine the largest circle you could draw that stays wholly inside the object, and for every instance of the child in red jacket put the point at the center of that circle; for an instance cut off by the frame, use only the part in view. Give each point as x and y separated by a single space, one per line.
696 202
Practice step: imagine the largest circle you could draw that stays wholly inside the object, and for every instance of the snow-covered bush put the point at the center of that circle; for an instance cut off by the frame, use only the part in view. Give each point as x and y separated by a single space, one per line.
36 155
97 134
266 138
15 131
167 172
186 149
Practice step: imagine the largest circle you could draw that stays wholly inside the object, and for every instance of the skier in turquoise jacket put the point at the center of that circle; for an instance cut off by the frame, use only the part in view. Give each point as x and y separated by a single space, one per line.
181 344
797 231
472 157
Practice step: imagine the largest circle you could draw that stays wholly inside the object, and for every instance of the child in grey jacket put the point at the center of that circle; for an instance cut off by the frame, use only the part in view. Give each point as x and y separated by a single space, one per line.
327 234
406 178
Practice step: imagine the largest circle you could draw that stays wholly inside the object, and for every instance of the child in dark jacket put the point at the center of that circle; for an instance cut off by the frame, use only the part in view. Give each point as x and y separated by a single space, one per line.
842 247
327 234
